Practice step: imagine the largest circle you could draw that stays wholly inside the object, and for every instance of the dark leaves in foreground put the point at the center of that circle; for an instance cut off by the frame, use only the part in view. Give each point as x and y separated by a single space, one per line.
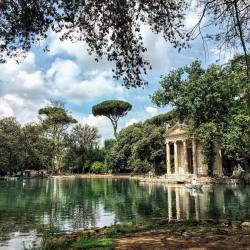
112 28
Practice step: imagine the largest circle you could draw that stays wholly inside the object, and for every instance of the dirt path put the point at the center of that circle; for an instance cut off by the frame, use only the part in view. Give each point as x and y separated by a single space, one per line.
186 240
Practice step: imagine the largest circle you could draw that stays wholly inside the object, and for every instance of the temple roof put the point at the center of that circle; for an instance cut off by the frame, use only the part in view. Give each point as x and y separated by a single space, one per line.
177 129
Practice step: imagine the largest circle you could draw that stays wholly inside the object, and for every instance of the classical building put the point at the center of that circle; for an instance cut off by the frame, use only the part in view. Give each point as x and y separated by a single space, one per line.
184 154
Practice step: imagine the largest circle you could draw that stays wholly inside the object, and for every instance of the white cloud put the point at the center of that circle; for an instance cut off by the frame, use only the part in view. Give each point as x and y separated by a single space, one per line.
151 110
131 122
157 49
22 89
78 51
67 80
5 108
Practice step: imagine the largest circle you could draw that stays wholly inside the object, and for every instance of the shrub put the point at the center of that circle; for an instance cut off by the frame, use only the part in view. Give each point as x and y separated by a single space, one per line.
245 178
98 168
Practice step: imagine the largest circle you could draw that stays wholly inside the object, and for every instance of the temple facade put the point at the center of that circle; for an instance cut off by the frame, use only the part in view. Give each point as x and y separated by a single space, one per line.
184 155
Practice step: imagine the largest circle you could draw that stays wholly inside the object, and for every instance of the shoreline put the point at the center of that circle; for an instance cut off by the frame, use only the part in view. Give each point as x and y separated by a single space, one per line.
174 179
206 234
164 179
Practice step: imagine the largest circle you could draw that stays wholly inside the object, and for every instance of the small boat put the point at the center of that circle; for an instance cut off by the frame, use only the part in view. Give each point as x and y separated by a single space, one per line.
193 186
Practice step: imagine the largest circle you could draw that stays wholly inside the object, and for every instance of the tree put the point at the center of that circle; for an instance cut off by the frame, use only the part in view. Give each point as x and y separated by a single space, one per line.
236 141
121 151
55 120
113 110
162 119
10 146
208 100
82 144
148 153
113 28
36 149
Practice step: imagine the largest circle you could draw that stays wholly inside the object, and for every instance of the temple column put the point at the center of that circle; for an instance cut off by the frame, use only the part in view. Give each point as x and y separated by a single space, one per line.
185 157
194 157
170 214
175 158
168 158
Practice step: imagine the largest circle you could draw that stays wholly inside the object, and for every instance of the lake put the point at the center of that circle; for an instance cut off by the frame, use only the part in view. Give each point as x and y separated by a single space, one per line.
72 204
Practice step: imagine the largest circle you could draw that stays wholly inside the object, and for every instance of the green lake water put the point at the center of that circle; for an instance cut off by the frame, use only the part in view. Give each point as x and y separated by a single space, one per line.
74 204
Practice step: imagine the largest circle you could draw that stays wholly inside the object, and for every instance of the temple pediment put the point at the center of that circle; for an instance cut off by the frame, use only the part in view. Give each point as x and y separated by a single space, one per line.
177 129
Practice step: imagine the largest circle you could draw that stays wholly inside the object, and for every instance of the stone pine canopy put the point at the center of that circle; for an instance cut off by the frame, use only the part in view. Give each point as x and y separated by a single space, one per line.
183 154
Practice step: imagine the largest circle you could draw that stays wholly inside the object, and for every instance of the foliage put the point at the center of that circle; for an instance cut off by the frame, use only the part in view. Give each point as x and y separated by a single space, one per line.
140 147
245 178
90 243
148 153
109 143
82 148
120 153
236 143
49 144
112 29
98 168
10 146
207 137
162 119
36 149
113 110
212 102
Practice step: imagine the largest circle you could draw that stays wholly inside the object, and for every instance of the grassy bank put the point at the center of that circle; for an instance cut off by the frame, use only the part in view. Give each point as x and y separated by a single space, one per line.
158 236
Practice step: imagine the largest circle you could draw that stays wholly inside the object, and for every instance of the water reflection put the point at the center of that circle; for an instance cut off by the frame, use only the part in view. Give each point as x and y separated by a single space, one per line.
73 204
211 202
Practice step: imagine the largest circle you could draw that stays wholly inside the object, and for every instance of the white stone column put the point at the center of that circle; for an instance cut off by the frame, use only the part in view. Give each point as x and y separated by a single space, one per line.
176 170
185 157
168 158
194 157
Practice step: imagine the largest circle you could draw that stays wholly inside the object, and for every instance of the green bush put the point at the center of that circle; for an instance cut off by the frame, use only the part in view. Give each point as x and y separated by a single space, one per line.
98 168
245 178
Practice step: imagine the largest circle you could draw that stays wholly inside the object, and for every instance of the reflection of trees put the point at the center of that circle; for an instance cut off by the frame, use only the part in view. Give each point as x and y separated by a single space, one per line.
77 203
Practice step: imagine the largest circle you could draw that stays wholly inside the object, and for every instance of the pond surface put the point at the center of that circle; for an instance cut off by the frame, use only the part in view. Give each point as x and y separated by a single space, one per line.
73 204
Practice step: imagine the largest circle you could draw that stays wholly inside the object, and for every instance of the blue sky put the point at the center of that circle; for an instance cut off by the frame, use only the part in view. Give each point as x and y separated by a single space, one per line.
68 73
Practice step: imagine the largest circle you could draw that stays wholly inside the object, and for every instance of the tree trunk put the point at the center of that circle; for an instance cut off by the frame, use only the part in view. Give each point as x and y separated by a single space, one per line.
115 132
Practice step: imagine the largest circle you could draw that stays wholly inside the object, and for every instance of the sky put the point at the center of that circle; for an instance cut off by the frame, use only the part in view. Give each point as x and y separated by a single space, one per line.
69 74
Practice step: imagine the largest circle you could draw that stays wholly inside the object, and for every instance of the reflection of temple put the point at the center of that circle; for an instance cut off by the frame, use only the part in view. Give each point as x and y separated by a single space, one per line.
184 155
184 205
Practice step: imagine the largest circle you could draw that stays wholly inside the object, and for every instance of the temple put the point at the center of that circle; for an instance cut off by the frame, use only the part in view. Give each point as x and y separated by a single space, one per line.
184 155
